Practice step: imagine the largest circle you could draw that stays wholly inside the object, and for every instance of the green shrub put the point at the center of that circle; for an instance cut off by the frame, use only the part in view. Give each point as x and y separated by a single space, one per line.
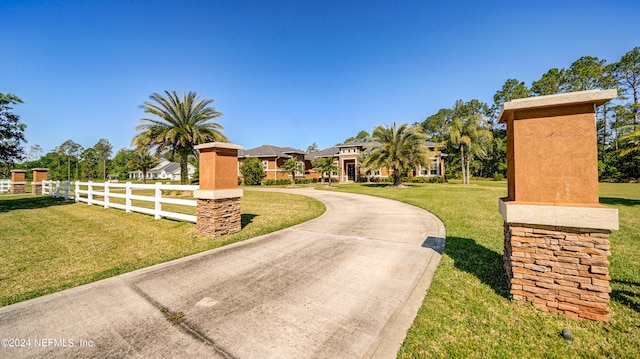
252 171
280 182
498 177
304 180
427 180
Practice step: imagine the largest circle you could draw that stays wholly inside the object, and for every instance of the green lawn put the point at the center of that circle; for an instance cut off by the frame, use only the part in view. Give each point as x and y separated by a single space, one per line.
49 244
467 312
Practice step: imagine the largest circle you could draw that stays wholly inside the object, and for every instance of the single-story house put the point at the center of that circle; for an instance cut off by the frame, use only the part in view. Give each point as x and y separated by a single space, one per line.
165 170
348 156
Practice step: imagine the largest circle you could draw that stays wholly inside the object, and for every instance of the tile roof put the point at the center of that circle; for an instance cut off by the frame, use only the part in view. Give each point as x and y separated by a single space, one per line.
269 151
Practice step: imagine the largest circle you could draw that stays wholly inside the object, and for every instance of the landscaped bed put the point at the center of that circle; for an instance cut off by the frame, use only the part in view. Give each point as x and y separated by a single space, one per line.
48 244
467 312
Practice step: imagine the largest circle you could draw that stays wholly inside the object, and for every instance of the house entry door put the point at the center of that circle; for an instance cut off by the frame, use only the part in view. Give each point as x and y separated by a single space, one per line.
351 172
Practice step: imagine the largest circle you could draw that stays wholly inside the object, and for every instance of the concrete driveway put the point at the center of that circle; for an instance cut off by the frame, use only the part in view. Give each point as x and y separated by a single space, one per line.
345 285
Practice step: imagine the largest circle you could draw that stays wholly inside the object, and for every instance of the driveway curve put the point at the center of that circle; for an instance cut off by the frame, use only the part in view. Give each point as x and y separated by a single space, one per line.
347 284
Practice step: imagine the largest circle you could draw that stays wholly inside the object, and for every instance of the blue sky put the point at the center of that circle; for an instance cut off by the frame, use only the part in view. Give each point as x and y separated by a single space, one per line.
287 73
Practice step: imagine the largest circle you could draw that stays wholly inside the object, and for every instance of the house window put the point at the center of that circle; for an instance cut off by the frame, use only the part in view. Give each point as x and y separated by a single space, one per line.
377 173
265 165
434 171
424 172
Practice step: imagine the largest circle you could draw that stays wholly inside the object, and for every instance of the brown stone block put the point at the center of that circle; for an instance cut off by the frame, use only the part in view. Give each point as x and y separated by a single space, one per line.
596 251
590 297
593 316
552 304
601 305
535 290
521 282
568 259
590 309
519 292
598 240
536 268
594 275
599 270
543 240
577 243
522 260
542 256
599 282
573 292
549 286
576 279
574 254
563 270
598 261
572 248
570 307
570 314
517 297
524 271
603 234
566 283
525 249
545 252
603 296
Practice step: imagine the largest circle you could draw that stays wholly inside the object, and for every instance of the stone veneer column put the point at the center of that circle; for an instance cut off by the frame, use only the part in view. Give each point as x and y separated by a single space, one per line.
18 181
218 209
556 242
39 175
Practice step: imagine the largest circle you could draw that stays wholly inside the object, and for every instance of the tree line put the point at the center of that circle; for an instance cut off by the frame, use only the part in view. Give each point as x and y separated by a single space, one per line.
468 131
175 125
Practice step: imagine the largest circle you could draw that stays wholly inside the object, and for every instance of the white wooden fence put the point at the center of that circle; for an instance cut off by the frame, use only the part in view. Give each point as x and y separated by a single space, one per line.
105 194
5 185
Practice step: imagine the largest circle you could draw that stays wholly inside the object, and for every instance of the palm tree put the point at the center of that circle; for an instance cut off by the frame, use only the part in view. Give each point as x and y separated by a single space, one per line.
325 165
400 148
630 141
143 160
293 166
470 134
178 125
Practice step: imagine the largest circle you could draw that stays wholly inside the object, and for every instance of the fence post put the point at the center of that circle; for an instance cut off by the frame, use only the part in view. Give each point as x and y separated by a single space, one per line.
127 199
66 190
90 193
76 192
556 234
106 195
218 208
158 204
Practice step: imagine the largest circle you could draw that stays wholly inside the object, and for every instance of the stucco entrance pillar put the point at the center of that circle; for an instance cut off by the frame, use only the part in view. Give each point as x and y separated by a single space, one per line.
218 208
556 232
39 175
18 181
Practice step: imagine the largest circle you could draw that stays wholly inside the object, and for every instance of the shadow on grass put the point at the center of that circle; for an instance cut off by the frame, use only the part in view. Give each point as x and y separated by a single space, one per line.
480 261
8 204
630 298
619 201
246 219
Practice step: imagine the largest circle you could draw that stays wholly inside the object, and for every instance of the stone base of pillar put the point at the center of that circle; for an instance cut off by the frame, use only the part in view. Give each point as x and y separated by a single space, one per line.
559 269
18 188
217 217
36 188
